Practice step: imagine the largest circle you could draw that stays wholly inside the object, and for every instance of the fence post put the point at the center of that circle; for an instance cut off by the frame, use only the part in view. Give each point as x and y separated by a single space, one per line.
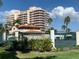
77 38
4 36
17 35
52 36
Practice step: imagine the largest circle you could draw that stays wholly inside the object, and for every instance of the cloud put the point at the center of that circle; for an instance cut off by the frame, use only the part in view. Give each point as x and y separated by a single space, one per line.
2 17
58 11
62 12
4 14
35 8
11 12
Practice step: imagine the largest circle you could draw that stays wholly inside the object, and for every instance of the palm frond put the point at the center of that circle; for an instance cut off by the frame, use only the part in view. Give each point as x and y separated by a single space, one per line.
50 20
67 20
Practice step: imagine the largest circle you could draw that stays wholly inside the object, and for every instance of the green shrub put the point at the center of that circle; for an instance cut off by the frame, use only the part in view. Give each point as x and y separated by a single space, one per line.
21 45
47 45
40 44
77 47
33 44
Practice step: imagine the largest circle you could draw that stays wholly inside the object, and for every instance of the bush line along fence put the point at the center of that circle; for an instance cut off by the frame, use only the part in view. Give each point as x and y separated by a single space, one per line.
52 37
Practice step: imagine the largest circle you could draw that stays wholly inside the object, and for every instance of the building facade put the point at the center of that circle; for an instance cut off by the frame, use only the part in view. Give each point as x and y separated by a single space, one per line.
33 16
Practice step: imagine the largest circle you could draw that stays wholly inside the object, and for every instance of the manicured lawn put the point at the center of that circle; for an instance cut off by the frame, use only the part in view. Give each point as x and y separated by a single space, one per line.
34 54
68 55
7 55
71 54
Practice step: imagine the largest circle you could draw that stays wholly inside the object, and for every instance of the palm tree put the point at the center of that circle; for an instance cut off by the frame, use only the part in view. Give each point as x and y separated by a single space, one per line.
66 22
50 20
1 3
64 28
68 30
18 21
1 28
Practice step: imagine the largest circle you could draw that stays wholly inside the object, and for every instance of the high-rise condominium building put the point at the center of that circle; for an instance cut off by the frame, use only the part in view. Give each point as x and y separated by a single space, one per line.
33 16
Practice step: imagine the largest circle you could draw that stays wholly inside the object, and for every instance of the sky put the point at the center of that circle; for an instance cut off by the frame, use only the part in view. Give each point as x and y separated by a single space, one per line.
58 9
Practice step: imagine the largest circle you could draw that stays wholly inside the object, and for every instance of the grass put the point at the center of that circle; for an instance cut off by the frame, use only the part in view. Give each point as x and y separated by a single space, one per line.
7 55
74 54
33 54
2 49
70 54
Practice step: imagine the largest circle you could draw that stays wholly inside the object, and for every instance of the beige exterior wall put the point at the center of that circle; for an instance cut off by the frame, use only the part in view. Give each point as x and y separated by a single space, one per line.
37 36
77 38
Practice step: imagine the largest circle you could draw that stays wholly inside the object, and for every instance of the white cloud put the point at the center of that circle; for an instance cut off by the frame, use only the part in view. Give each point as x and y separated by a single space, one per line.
4 14
2 17
62 12
12 12
35 8
59 11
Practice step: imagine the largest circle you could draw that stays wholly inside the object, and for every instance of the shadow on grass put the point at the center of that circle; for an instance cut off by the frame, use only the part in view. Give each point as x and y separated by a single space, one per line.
23 50
49 57
8 55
